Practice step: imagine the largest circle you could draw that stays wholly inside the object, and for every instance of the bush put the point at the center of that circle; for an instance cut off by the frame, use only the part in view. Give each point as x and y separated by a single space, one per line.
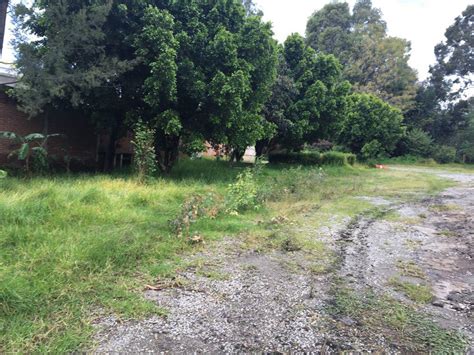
337 158
313 158
444 154
372 150
244 194
418 143
370 119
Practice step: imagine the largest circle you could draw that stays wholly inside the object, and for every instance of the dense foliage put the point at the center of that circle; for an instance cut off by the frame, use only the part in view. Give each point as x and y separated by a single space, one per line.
309 97
197 72
371 126
373 62
313 158
144 148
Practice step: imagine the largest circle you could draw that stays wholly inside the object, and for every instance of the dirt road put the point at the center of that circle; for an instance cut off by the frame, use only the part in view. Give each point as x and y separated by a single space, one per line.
398 272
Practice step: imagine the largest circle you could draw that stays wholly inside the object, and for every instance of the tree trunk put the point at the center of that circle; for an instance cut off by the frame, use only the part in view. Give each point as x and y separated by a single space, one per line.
168 155
110 151
237 155
261 148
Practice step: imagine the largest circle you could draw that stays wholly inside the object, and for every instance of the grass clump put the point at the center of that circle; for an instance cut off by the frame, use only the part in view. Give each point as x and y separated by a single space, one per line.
398 323
416 292
411 269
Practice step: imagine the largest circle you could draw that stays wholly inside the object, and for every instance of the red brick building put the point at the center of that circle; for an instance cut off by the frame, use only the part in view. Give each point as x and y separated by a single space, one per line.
80 140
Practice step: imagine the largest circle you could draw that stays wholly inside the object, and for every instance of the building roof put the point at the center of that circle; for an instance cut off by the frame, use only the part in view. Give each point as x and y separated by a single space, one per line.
7 77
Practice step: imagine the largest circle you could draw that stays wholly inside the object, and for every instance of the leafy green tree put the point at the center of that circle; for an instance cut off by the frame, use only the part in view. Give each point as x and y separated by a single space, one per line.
465 139
77 55
373 62
441 107
318 102
329 30
196 70
454 71
210 70
371 123
284 94
419 143
51 35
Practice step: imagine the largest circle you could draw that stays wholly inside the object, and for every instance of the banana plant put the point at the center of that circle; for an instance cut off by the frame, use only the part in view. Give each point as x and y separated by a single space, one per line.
29 145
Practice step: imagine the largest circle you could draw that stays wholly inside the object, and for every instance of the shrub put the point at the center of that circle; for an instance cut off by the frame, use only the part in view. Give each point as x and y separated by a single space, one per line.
372 150
444 154
418 143
144 147
335 158
195 207
370 119
351 159
313 158
31 149
243 194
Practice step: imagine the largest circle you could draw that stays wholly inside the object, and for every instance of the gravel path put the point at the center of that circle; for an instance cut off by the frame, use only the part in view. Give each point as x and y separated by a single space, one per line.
246 301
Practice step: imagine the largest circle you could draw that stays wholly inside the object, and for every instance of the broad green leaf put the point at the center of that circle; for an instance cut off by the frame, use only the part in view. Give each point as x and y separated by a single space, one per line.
23 151
8 135
34 136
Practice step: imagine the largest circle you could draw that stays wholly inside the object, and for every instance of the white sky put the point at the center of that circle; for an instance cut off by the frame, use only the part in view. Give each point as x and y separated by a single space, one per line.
423 22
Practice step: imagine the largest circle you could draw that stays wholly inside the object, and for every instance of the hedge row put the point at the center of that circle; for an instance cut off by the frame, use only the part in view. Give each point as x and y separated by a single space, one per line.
313 158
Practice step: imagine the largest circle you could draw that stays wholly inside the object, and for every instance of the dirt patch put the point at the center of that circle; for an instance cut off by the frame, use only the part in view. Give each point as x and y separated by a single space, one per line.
265 305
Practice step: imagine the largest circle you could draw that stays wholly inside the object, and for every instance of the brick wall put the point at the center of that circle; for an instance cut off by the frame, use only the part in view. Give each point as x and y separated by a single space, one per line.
80 141
13 120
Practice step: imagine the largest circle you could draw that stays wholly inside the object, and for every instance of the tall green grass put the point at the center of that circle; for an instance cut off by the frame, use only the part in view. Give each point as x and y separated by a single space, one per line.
75 247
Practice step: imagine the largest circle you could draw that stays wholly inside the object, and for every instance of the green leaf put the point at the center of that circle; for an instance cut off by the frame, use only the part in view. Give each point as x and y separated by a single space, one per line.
34 136
3 174
23 151
8 135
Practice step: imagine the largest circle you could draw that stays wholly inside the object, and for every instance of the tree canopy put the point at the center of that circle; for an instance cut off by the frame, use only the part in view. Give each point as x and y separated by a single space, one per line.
372 124
309 96
373 62
454 69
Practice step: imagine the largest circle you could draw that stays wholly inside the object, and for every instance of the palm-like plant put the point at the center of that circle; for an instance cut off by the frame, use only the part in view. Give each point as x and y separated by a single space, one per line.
33 144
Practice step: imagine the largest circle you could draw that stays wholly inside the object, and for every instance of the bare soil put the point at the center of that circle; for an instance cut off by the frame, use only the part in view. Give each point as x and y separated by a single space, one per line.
240 300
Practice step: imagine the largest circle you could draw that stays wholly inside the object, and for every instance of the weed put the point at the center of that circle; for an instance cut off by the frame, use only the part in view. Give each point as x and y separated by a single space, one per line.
193 208
398 323
290 244
412 244
244 194
443 208
416 292
409 268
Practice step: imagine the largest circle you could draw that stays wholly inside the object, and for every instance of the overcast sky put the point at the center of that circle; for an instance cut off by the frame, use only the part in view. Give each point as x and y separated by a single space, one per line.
423 22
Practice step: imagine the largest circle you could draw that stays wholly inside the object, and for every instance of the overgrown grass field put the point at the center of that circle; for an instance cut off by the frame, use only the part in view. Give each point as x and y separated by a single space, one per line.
73 248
